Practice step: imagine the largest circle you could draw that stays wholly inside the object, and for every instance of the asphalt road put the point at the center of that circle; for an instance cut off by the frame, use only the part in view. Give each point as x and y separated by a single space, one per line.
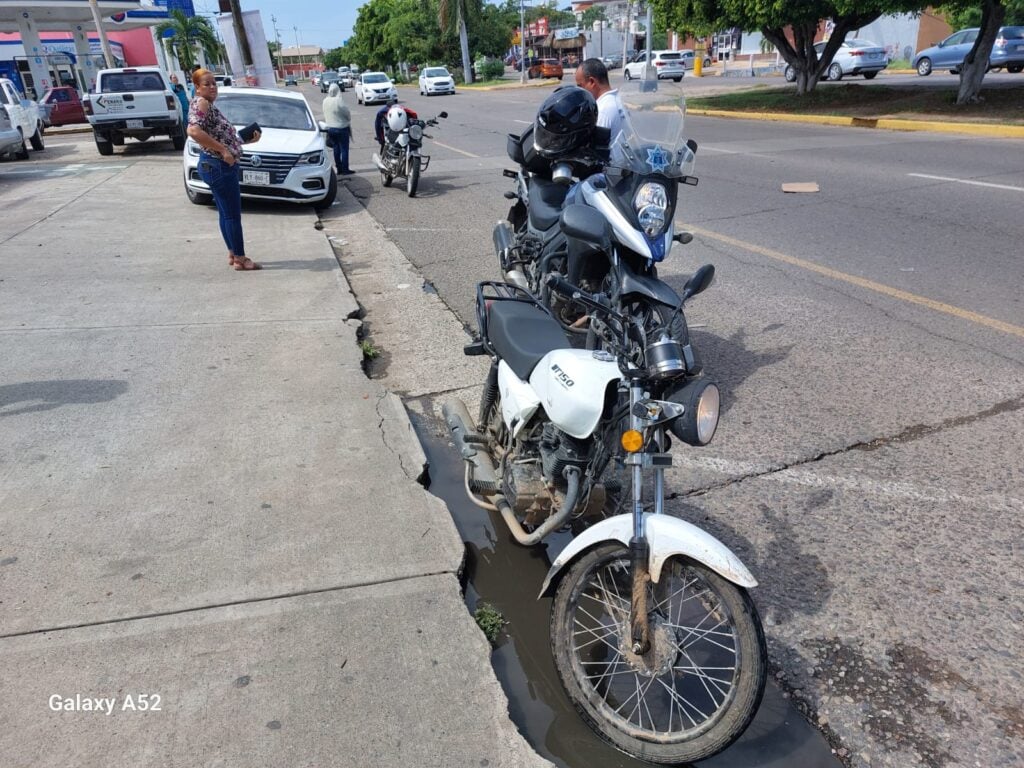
868 340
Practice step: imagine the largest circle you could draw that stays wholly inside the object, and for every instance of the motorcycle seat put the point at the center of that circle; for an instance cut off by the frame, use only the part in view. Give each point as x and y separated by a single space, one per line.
546 199
522 333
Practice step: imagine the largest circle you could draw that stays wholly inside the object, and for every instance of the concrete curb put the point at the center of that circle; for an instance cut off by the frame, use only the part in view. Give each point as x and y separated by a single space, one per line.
401 437
892 124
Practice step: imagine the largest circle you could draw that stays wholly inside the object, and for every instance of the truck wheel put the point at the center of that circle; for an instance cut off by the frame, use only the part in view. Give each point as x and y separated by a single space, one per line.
117 139
104 147
21 154
178 141
37 140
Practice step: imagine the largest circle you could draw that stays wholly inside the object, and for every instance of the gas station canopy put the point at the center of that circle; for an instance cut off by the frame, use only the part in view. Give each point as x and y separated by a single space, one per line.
60 15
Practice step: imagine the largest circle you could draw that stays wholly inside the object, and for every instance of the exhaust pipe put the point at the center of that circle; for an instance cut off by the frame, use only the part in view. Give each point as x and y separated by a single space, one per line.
504 241
483 474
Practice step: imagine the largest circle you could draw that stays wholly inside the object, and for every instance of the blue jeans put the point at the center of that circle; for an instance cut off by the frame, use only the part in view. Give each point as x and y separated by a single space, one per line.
222 179
340 137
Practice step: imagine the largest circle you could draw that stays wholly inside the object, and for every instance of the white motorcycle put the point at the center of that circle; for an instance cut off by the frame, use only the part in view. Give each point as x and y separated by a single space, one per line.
401 156
654 636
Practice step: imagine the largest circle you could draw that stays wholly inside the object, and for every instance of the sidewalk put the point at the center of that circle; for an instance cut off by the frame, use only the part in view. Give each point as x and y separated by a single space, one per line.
205 500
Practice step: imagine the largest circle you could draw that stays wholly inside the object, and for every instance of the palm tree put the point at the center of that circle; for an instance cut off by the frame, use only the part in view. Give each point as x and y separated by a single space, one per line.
445 20
187 32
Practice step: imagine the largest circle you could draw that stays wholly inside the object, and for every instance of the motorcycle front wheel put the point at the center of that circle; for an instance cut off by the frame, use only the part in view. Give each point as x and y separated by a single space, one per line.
412 180
698 687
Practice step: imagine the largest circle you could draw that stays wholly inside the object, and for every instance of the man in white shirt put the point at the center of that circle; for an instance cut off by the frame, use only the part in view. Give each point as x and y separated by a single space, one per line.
592 75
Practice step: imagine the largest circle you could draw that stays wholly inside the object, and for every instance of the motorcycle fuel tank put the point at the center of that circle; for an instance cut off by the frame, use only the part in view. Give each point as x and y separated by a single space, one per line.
571 385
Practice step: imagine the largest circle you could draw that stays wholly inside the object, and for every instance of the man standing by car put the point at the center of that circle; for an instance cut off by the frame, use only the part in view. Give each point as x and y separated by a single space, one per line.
592 75
339 128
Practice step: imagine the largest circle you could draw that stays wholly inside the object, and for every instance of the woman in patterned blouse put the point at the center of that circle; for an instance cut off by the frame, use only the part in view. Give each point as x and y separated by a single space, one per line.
218 164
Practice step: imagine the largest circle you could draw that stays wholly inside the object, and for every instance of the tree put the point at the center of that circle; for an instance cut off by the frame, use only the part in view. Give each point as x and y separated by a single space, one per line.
592 14
991 15
452 13
182 34
790 26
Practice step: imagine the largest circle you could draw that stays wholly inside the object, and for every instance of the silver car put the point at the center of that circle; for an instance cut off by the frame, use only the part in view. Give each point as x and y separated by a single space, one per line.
854 57
11 141
372 87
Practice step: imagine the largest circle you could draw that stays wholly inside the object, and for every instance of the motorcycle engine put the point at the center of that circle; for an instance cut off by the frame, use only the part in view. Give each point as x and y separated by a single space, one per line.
559 450
525 490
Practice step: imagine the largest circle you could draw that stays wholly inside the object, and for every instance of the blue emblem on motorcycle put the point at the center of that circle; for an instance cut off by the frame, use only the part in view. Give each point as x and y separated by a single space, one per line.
657 159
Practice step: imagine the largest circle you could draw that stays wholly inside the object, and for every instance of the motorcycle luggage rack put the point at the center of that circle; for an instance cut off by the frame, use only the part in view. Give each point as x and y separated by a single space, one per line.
488 291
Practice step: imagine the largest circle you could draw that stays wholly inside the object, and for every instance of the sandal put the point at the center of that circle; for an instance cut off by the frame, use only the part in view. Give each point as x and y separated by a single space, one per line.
245 264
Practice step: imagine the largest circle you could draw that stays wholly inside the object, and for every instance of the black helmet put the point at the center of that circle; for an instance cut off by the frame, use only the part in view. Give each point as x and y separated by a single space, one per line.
565 121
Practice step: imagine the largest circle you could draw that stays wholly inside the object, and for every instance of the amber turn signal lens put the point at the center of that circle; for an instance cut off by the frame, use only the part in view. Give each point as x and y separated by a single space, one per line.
632 441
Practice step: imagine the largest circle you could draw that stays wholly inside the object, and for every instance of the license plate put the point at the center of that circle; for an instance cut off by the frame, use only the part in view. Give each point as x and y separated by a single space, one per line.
133 123
255 177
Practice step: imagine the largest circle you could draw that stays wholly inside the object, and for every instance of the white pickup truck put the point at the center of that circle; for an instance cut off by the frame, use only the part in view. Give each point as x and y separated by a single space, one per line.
135 102
23 113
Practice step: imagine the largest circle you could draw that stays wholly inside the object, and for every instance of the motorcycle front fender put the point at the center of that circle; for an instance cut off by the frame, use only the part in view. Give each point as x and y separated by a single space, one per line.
667 537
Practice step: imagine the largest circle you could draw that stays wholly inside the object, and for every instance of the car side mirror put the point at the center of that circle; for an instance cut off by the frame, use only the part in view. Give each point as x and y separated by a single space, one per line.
322 126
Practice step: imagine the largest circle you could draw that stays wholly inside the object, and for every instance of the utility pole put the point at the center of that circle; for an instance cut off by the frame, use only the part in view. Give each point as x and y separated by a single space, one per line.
298 48
625 37
243 40
277 39
522 41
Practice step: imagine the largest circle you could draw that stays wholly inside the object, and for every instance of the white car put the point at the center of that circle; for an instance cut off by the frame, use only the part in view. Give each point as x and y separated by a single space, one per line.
290 162
667 64
346 80
436 80
11 141
374 87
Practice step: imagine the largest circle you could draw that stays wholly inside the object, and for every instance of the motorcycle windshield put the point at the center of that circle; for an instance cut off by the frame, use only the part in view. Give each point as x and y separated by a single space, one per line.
651 139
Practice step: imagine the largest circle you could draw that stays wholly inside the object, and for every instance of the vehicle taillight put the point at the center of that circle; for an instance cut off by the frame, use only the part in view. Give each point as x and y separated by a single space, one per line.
659 63
171 101
1000 42
87 106
856 53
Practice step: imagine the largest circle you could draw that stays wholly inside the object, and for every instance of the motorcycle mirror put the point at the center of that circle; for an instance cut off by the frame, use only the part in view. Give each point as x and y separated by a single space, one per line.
699 281
584 223
443 114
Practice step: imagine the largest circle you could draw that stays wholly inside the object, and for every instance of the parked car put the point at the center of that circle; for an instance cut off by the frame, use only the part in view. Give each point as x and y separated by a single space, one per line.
65 107
222 80
854 57
668 64
545 68
436 80
316 80
612 61
1007 51
11 141
133 103
327 79
290 80
374 87
24 114
290 162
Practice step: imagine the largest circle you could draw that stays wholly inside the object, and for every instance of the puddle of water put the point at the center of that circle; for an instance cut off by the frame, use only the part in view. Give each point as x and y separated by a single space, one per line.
509 576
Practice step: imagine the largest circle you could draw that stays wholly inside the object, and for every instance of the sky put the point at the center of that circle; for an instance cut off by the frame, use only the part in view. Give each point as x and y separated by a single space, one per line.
320 22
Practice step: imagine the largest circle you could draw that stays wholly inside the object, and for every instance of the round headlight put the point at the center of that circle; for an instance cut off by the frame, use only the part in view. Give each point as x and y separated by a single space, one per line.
652 220
701 401
707 414
416 132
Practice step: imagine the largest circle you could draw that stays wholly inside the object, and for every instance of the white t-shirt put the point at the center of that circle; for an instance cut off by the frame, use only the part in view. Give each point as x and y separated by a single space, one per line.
610 112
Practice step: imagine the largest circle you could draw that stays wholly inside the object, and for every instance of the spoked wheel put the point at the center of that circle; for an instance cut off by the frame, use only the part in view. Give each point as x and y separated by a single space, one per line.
413 179
697 688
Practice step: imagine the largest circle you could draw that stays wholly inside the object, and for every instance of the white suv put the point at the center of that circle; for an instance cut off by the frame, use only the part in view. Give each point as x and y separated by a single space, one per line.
289 162
668 64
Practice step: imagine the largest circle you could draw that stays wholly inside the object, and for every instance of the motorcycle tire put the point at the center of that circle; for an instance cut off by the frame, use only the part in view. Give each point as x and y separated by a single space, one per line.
708 689
413 179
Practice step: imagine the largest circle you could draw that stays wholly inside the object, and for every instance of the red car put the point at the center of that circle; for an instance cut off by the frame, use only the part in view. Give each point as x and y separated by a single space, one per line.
64 106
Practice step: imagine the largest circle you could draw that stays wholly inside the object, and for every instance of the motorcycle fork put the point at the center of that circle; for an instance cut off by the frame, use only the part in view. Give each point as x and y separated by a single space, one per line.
639 549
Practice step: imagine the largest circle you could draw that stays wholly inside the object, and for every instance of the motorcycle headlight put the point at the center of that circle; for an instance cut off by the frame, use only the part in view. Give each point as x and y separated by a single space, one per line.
701 401
311 158
416 132
651 205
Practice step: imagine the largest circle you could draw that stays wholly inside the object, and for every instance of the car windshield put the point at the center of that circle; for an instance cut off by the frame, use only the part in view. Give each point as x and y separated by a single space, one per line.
268 111
652 138
377 78
126 82
438 72
861 44
669 55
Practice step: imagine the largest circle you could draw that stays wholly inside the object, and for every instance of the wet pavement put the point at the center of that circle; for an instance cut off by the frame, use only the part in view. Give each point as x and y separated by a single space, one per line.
508 576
